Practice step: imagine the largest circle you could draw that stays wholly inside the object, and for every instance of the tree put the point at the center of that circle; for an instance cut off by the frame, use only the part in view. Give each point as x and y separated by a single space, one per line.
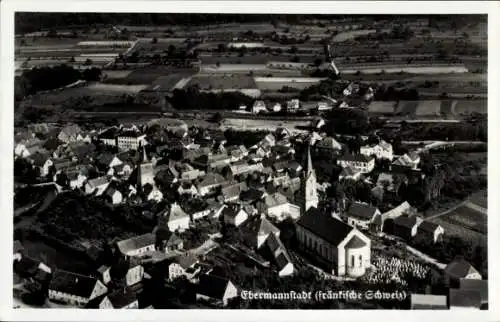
217 118
318 62
88 62
217 64
293 50
154 40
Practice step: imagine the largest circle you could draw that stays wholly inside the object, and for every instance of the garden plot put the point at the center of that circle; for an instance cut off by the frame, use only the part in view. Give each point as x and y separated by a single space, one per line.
222 82
277 83
428 108
343 36
382 107
471 106
113 88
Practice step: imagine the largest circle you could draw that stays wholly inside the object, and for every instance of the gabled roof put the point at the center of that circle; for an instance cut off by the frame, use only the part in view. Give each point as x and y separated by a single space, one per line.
362 211
276 199
325 226
96 182
122 297
355 243
251 195
428 226
186 260
233 190
348 172
231 210
72 283
266 228
212 286
406 221
282 260
176 212
211 179
459 268
136 242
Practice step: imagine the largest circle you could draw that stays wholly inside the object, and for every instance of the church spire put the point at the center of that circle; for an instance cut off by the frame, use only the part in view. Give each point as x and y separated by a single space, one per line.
144 156
310 189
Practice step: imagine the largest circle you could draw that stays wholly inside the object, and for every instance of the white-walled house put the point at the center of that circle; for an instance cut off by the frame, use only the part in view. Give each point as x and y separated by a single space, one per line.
178 219
183 265
74 289
343 247
361 215
360 162
234 215
277 206
382 150
460 269
137 245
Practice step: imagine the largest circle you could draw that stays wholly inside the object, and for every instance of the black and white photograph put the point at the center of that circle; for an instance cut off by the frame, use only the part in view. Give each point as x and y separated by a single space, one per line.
291 161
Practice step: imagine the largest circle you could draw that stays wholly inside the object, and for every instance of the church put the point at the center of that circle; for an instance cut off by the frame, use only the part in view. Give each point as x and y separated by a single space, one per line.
341 247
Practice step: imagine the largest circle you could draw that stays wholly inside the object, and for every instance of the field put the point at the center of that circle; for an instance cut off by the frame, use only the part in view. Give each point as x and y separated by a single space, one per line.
276 83
221 82
412 69
428 108
113 88
267 125
166 77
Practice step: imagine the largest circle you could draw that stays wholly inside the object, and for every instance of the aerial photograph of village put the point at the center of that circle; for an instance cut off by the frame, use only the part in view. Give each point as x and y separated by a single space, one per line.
250 161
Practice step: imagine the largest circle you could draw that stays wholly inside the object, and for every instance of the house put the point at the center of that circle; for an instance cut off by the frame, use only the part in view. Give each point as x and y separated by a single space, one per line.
178 220
96 185
187 188
32 270
266 229
113 195
460 269
28 147
130 140
382 150
361 215
277 206
108 137
259 106
317 123
152 193
464 299
183 265
120 299
217 290
431 231
277 250
135 272
168 241
197 208
209 183
237 152
360 162
69 133
329 144
293 104
232 191
75 289
137 246
76 180
408 161
340 246
428 302
104 272
234 215
349 173
251 195
406 226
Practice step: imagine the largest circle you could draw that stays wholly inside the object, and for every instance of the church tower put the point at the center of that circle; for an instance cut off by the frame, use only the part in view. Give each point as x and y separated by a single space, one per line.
309 191
145 172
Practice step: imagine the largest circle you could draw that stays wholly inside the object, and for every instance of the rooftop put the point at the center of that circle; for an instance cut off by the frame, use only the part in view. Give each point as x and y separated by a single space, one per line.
325 226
